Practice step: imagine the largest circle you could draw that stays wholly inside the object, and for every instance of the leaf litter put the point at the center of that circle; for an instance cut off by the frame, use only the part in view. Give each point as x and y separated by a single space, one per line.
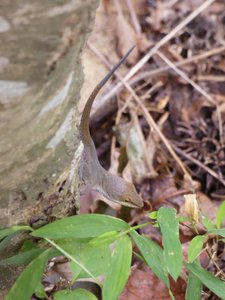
183 115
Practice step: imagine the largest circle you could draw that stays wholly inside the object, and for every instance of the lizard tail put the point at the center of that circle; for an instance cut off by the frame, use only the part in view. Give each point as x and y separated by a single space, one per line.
84 123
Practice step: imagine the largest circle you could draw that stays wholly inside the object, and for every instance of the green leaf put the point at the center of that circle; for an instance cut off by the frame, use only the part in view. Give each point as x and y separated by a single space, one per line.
95 258
220 231
78 294
207 223
153 215
72 245
81 226
68 255
194 287
7 231
28 280
169 227
153 255
220 215
22 258
195 247
182 219
119 269
28 245
7 241
105 238
216 285
40 291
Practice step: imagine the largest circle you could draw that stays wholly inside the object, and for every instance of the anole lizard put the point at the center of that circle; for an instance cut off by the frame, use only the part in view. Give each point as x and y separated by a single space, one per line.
92 173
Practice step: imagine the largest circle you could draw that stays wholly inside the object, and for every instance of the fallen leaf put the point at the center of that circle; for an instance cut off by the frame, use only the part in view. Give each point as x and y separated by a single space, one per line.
143 285
136 150
163 188
126 37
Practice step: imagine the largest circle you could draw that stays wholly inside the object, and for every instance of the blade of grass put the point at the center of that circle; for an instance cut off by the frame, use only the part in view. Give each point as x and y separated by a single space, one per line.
29 279
119 269
7 231
77 294
195 247
73 259
220 215
194 287
216 285
153 255
169 226
81 226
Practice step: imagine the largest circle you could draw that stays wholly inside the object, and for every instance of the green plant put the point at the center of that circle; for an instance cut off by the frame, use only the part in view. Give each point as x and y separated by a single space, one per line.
86 240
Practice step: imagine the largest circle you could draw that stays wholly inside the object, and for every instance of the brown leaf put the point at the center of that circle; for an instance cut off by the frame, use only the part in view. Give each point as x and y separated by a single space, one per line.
144 285
139 7
136 149
126 39
143 44
164 188
207 207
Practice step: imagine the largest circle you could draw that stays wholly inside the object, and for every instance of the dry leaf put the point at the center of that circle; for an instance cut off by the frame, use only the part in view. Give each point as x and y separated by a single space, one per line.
136 149
150 155
127 172
143 44
207 206
163 188
126 37
114 159
163 101
191 207
143 284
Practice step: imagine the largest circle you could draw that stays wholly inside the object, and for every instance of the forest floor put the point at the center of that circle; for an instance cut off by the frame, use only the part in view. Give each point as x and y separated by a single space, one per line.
178 74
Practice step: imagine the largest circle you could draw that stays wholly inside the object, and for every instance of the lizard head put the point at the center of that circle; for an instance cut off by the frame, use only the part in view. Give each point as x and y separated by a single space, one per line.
130 196
120 191
117 189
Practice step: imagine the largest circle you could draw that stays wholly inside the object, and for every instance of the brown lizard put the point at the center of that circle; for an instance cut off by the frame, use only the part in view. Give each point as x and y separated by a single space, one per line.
92 174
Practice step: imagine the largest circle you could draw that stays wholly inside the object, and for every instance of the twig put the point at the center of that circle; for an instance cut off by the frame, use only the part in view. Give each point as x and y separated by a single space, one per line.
118 7
128 101
168 37
185 77
156 86
211 256
162 42
147 116
134 18
198 163
197 87
196 58
171 3
122 109
215 78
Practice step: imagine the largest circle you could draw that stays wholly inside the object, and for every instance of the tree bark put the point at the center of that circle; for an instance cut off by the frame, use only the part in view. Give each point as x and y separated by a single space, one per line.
40 81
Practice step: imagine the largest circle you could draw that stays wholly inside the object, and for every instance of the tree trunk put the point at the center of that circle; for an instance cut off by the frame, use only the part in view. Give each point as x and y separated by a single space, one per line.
41 78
